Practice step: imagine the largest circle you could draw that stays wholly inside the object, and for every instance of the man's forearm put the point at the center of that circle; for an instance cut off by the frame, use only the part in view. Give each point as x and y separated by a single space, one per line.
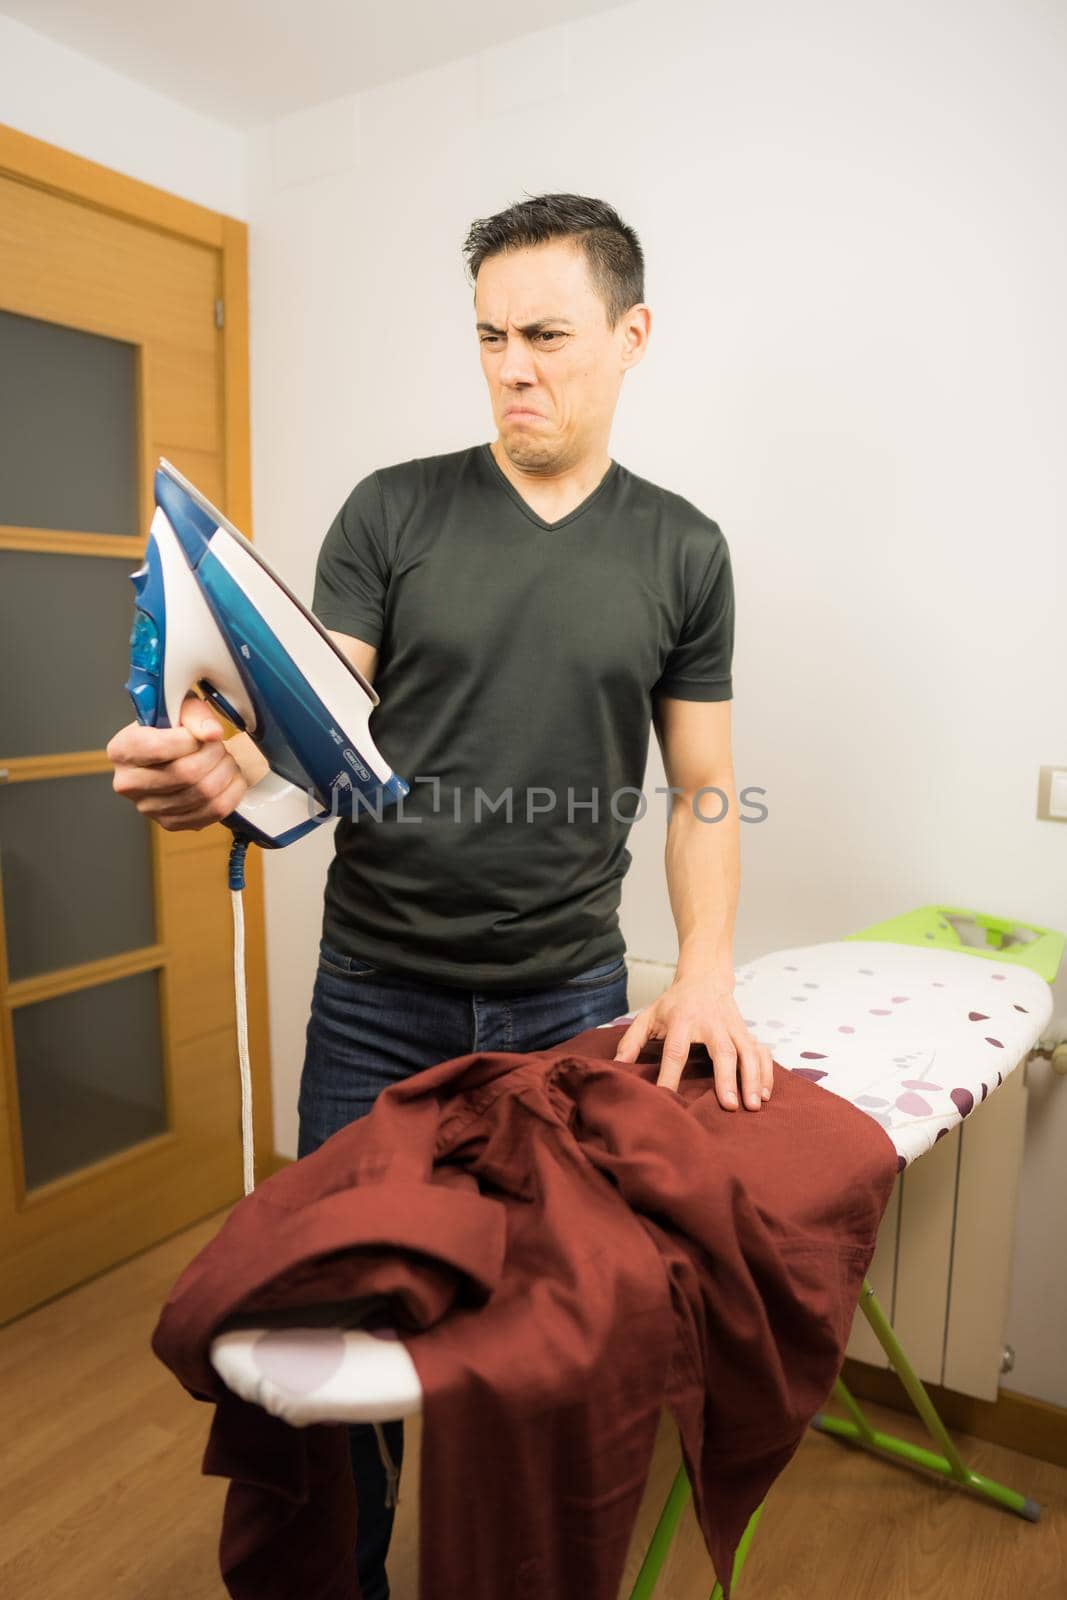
703 861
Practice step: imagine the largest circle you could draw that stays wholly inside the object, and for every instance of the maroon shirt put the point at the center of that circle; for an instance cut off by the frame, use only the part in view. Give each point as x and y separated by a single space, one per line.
564 1247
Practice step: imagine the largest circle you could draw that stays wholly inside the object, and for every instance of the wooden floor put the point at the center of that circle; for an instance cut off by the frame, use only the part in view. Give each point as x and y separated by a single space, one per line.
102 1498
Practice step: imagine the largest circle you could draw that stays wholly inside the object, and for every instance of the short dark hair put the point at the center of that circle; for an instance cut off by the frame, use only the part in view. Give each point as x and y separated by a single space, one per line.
612 249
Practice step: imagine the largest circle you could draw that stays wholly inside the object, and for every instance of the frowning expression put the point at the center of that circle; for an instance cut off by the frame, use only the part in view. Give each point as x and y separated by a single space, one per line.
552 363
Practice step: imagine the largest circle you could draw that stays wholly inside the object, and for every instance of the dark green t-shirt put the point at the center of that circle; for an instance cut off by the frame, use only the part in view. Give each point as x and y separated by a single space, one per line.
516 657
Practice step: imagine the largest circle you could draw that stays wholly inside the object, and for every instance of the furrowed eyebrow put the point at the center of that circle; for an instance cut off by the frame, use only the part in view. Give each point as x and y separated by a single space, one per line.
531 327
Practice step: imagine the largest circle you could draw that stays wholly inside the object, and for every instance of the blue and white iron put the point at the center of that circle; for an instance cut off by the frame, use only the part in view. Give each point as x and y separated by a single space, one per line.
210 612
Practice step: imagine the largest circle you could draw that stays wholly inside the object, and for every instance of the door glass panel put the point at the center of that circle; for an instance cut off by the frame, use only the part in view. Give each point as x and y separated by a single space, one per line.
68 428
90 1075
64 651
76 871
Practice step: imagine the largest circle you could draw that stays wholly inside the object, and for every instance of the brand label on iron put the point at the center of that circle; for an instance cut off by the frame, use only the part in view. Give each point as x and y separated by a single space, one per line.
354 762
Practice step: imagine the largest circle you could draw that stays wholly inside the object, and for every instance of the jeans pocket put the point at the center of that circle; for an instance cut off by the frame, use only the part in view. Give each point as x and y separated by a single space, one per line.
601 977
342 966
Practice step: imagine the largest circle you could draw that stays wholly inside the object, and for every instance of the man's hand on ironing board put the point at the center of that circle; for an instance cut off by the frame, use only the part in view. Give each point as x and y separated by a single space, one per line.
703 876
184 777
699 1009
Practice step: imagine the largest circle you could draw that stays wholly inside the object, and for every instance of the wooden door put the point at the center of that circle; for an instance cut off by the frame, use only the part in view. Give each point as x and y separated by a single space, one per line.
123 337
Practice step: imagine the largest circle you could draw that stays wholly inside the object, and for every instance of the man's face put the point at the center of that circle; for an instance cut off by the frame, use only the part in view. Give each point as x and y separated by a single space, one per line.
552 364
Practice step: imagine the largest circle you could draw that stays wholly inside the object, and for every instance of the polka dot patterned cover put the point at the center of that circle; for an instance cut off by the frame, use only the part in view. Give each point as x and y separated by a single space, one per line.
915 1038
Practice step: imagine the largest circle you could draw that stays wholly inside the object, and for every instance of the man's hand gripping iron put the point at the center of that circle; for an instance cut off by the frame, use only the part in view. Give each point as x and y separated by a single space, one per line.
211 615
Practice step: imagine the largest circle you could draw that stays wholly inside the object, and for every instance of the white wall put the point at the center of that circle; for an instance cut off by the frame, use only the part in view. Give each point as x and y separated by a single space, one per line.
855 272
65 98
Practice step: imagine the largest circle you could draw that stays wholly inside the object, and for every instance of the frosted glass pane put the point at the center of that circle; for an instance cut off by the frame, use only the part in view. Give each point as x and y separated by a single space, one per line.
68 428
89 1069
77 873
64 651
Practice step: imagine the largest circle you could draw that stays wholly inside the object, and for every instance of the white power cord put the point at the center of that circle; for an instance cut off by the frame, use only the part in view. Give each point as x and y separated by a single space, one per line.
237 883
241 997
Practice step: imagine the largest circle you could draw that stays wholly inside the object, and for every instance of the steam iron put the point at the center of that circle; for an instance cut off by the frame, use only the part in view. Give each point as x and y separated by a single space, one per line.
210 612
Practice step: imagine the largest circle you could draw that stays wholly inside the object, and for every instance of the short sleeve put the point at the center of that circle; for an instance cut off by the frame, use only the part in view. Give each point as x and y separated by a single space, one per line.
700 665
352 572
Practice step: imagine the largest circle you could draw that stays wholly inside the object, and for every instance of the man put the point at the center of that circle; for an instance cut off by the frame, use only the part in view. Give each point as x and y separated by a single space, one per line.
528 610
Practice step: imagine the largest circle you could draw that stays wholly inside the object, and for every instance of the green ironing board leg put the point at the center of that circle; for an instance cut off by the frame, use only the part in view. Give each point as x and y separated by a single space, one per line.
664 1532
949 1464
859 1432
740 1553
662 1535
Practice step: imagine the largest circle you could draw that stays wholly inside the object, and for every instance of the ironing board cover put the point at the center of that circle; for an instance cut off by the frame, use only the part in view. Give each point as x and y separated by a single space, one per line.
914 1037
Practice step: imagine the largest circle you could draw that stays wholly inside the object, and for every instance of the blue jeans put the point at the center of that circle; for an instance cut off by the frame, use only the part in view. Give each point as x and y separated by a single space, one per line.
369 1028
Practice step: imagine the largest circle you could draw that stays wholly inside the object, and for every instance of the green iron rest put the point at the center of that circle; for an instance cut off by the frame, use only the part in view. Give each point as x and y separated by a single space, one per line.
975 933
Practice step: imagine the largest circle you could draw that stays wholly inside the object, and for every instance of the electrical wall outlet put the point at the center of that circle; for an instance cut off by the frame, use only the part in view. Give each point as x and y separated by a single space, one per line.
1052 794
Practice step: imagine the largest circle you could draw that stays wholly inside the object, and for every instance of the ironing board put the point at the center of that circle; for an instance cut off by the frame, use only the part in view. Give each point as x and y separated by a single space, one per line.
902 1021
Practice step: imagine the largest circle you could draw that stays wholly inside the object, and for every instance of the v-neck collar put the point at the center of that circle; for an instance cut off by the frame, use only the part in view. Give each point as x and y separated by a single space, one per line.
528 510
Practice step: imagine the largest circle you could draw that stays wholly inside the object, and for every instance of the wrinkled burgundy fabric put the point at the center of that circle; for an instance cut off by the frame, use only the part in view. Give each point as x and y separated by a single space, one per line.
565 1248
